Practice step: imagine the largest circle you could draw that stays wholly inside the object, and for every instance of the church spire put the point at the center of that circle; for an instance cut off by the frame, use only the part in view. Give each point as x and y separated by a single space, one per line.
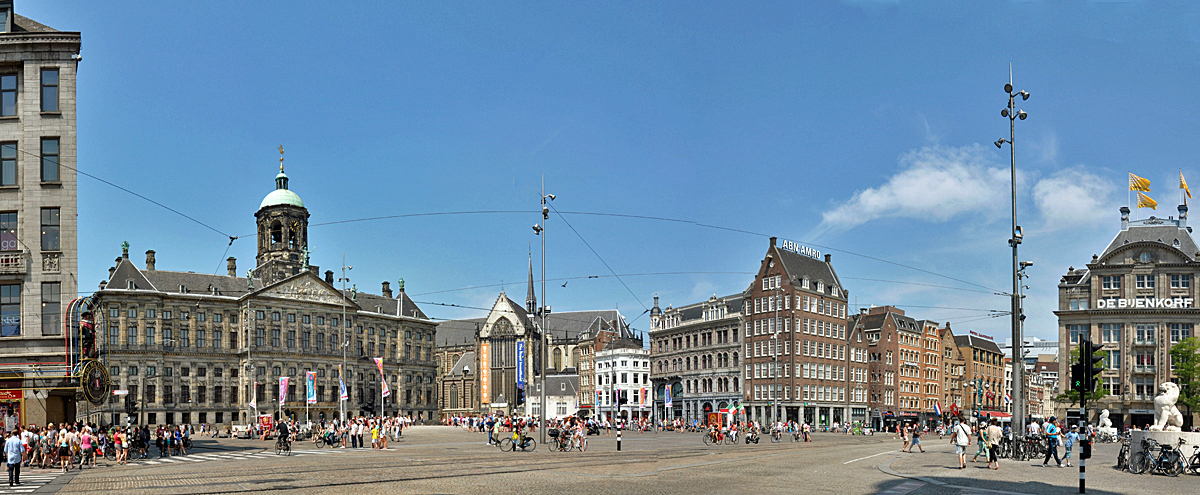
531 298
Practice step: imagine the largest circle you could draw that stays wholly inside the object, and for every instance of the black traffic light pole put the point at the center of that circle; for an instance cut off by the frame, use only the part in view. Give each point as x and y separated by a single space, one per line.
1085 379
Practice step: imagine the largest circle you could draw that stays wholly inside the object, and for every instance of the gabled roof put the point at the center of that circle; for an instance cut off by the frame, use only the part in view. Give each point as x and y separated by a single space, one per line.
465 362
695 311
976 342
799 267
197 283
458 332
388 305
873 321
25 24
126 272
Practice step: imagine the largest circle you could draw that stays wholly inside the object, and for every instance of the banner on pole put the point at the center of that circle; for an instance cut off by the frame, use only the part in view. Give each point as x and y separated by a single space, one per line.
667 391
283 385
310 378
521 364
383 378
342 385
254 395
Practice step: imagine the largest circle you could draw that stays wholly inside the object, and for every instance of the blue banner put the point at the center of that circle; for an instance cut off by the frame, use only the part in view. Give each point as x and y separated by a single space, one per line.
667 390
521 364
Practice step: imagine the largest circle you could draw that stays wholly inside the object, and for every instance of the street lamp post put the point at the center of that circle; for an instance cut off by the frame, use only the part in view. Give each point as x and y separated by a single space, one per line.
345 343
1012 113
540 230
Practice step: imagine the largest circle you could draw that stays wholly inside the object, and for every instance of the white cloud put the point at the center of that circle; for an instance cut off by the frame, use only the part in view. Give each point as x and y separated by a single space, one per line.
1073 197
935 183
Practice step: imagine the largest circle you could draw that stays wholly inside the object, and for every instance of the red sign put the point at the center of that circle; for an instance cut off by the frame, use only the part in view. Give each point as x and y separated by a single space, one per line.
11 394
982 336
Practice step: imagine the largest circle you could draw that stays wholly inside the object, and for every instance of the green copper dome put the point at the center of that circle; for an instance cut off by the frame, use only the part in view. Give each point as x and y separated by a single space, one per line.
281 195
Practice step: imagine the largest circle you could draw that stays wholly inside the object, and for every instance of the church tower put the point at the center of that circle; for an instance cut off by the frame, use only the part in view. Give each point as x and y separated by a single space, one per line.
282 232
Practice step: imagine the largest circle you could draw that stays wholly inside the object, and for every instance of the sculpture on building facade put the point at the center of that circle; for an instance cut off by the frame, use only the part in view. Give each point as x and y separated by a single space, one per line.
1166 416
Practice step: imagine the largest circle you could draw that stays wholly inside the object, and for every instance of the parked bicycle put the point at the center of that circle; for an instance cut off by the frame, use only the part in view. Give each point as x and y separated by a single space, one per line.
1169 461
1123 456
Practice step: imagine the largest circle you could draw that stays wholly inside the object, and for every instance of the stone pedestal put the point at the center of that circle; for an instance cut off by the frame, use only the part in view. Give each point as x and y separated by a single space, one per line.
1163 438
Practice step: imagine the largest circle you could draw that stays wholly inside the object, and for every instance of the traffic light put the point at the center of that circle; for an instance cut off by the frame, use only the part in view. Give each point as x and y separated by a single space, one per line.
520 396
1093 363
1079 378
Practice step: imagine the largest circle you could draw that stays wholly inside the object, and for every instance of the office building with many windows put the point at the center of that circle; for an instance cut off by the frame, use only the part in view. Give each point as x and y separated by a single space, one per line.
38 256
1137 298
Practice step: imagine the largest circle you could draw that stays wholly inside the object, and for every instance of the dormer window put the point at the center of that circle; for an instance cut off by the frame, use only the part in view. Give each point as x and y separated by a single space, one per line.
129 285
820 286
804 283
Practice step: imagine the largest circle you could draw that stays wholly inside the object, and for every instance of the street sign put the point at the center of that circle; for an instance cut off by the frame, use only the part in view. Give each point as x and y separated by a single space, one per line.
120 392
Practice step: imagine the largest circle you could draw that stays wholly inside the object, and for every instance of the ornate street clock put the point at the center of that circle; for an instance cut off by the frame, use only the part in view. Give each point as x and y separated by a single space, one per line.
94 378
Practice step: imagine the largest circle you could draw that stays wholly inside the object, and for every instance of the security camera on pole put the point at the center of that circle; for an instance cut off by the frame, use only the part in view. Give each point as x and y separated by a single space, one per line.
1013 114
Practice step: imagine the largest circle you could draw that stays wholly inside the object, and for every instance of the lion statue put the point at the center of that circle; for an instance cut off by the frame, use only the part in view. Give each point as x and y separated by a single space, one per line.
1166 416
1105 424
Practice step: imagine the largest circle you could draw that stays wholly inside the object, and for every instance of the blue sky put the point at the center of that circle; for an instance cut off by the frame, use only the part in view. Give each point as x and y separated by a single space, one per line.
863 126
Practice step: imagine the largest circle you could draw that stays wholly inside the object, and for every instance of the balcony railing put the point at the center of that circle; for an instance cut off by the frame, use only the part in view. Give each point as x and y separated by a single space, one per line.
1144 368
12 263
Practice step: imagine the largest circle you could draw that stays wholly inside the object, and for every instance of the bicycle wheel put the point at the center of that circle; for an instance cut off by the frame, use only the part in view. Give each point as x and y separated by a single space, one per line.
708 440
287 447
320 443
1193 464
728 440
506 445
1172 467
1139 463
278 448
529 445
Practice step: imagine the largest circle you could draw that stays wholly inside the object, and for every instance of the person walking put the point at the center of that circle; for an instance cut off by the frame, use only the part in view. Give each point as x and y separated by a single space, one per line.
13 450
1052 438
982 450
961 438
915 440
1069 440
994 434
904 435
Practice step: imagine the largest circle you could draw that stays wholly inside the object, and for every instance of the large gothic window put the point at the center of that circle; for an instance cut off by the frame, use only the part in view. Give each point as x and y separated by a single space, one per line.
558 355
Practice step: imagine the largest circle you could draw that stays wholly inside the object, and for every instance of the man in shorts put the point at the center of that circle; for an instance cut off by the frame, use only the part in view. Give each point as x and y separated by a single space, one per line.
916 440
961 437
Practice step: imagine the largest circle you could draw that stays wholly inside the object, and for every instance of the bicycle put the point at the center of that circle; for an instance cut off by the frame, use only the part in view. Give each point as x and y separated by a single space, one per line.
1123 456
518 441
713 437
1169 461
282 446
1193 463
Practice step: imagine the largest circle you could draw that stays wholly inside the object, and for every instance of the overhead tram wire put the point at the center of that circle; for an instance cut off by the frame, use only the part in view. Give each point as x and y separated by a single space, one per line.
614 273
168 208
562 279
674 220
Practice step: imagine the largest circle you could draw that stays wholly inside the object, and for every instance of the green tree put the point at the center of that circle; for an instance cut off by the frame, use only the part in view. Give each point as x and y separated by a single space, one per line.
1185 357
1071 396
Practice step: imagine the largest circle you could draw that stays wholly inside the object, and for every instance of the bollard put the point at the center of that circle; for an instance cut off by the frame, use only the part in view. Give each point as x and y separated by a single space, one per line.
618 439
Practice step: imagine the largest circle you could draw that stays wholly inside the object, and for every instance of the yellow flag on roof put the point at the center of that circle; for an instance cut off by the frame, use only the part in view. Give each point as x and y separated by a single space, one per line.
1138 184
1183 185
1144 201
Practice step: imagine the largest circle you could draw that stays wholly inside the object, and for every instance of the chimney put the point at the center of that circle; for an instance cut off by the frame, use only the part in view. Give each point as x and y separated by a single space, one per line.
329 277
772 242
111 270
1182 216
1124 218
231 265
387 289
827 258
150 260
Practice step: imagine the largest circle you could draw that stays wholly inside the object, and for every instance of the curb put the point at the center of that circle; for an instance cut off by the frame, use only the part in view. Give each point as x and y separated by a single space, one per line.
886 468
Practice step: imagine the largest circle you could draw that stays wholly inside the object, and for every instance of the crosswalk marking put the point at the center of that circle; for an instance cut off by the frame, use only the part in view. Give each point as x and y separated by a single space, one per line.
903 488
30 482
211 456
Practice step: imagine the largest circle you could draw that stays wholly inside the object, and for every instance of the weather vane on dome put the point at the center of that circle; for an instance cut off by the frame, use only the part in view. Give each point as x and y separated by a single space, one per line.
281 158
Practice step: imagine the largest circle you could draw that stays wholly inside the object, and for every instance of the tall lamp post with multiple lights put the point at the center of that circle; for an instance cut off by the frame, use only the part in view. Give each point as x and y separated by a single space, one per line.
540 230
1012 113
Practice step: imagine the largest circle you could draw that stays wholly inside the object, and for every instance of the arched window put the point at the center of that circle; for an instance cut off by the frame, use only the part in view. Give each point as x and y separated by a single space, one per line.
735 361
276 232
454 396
558 359
293 235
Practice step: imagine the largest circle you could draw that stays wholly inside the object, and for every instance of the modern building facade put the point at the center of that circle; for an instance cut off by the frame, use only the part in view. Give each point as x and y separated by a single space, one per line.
623 384
38 214
696 351
1137 298
196 348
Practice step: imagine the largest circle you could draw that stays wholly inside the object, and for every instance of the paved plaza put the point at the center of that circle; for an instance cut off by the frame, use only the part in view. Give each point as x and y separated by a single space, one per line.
449 460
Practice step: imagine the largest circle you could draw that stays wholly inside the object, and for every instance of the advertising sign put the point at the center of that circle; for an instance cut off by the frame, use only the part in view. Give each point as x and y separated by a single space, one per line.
485 374
521 364
310 388
283 384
